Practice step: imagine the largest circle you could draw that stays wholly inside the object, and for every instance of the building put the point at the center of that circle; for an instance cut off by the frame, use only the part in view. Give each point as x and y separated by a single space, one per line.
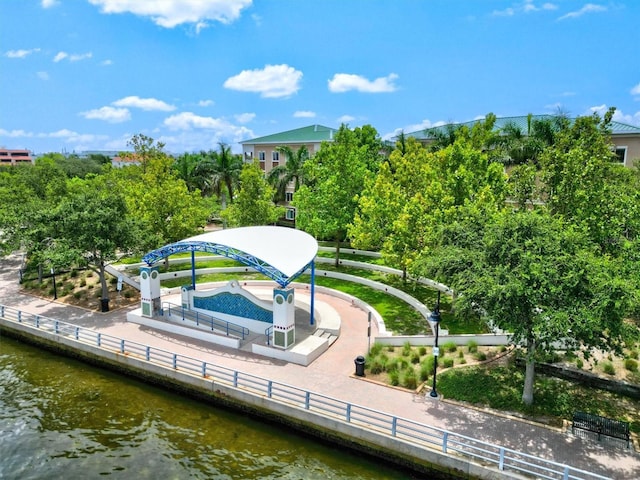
263 150
15 157
625 138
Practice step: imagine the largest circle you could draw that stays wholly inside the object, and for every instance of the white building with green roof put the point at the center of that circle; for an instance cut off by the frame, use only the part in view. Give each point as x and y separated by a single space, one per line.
625 138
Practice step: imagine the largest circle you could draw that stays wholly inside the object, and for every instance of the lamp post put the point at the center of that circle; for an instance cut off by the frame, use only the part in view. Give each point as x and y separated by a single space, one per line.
435 318
55 290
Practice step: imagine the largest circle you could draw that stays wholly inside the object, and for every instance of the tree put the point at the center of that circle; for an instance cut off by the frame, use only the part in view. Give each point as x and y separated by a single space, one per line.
536 277
161 201
335 176
92 225
292 171
254 204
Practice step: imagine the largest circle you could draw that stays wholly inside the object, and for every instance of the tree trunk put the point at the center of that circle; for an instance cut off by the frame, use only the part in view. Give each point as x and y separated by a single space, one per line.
529 373
337 264
104 301
223 201
404 274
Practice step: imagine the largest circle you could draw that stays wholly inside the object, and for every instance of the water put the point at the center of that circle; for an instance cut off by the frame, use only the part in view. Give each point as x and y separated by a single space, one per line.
60 418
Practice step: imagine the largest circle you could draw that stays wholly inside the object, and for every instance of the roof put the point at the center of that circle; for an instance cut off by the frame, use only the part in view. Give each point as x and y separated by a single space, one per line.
310 134
617 128
281 253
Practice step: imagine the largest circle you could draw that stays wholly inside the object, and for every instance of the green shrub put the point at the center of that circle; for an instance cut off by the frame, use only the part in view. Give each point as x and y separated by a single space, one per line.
447 362
472 346
633 354
463 361
375 349
376 367
422 351
394 378
83 283
450 347
406 349
415 358
78 295
403 363
425 371
128 294
460 354
409 379
480 356
608 368
391 366
113 281
73 273
90 286
390 348
631 364
502 348
579 363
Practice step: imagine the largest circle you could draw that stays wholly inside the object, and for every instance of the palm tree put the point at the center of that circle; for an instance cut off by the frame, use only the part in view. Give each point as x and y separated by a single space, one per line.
219 172
292 171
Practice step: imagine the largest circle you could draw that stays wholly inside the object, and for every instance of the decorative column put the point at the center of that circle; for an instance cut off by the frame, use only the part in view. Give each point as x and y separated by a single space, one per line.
284 321
150 291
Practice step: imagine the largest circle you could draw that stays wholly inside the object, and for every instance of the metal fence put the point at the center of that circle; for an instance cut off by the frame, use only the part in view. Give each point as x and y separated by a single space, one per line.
418 434
208 321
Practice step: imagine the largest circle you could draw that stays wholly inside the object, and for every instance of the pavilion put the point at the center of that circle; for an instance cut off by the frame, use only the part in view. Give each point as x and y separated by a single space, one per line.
280 253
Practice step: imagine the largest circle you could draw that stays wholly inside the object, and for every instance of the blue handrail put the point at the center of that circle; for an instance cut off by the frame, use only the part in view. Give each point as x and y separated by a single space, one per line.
207 320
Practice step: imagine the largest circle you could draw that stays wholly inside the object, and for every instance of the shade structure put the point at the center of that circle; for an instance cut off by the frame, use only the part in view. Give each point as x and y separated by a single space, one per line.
280 253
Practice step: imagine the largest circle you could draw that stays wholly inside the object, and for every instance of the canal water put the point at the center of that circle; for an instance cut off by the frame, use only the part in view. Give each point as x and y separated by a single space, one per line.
63 419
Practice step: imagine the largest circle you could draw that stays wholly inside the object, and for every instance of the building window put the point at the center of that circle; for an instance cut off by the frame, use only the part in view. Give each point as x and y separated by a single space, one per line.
275 156
291 214
262 156
621 153
288 196
274 164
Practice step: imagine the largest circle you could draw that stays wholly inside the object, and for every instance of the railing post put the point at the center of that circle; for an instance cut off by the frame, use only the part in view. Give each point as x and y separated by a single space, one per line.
77 332
501 462
565 475
56 327
269 388
122 346
2 311
37 321
348 412
235 379
175 361
307 400
19 316
445 438
148 353
99 339
394 425
204 369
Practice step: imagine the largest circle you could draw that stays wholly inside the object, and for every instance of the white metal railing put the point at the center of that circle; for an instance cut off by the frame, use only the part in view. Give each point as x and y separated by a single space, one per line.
357 416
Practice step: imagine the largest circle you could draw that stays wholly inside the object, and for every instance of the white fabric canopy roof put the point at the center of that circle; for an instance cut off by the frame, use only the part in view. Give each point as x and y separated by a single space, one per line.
285 249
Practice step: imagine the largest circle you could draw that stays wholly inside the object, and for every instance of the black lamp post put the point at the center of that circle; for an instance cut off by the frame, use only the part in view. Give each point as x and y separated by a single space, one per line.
55 290
435 318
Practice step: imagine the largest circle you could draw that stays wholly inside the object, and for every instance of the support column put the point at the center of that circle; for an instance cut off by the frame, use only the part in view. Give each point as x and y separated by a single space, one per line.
284 321
150 291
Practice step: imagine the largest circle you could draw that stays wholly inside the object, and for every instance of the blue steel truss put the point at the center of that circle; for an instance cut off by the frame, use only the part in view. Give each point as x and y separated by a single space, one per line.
226 251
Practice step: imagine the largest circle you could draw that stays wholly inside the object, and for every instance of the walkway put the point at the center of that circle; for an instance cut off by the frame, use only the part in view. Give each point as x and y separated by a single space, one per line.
331 374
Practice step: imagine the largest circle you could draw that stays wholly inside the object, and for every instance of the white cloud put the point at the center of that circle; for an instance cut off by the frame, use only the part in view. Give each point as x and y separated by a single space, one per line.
191 127
618 116
244 117
15 133
346 119
344 82
75 57
108 114
20 53
206 103
635 91
49 3
106 63
43 75
588 8
170 13
528 6
272 81
415 127
304 114
149 104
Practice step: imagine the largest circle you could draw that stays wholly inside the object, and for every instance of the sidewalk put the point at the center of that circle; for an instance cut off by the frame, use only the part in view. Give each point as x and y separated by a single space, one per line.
332 374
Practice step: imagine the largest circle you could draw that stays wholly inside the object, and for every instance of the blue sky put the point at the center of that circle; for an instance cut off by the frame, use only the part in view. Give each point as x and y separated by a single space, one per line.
88 74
